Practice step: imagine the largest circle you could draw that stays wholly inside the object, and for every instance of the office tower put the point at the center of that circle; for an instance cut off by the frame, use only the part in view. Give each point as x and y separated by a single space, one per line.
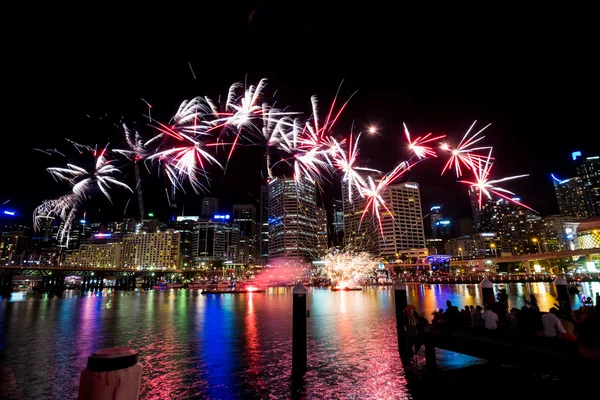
405 230
264 224
572 198
322 237
210 207
337 223
482 216
588 170
185 228
435 215
292 219
515 226
214 240
245 217
551 233
359 235
155 249
579 197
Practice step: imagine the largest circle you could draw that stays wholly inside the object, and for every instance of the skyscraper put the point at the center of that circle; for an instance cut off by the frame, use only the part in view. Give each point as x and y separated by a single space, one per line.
405 230
435 215
322 237
482 216
264 224
210 206
292 219
245 216
588 170
214 240
360 235
337 223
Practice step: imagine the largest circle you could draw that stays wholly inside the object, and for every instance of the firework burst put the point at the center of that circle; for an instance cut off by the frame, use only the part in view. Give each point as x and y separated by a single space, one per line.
486 186
348 267
418 146
464 153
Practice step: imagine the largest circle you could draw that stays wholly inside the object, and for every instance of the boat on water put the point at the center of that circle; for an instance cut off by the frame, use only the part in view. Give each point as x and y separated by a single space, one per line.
345 288
225 285
167 285
232 291
200 285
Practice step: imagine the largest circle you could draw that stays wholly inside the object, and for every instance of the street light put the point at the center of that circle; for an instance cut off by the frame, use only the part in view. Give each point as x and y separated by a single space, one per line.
534 240
461 253
493 246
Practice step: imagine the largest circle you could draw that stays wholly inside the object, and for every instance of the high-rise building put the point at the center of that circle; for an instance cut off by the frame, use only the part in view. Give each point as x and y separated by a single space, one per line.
403 229
292 219
588 170
103 254
215 240
244 215
482 216
210 207
12 247
358 234
551 233
337 223
572 198
435 215
156 249
579 197
264 224
185 227
322 237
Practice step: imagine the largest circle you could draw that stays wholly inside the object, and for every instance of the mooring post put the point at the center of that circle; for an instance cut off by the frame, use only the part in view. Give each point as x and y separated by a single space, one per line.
487 291
400 302
111 374
299 316
562 294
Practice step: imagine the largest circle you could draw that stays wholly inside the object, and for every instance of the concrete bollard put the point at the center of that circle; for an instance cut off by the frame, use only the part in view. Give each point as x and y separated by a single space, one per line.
487 292
111 374
562 294
400 303
299 331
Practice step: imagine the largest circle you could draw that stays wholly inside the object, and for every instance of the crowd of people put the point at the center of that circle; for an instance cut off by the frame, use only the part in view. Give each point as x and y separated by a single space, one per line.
496 318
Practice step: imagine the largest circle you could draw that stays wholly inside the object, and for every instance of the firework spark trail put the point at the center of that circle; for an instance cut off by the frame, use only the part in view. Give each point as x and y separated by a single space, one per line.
464 154
485 186
345 162
418 145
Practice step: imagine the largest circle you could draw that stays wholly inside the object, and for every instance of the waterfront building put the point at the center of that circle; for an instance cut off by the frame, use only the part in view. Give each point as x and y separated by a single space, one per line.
551 233
214 240
579 197
185 228
151 250
101 254
12 246
292 219
402 229
478 245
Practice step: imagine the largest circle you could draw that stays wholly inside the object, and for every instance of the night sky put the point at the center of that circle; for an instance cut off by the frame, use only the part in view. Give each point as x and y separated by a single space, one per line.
528 74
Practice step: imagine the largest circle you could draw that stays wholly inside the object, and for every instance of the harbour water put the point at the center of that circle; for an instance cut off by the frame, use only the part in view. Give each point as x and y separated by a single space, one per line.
228 346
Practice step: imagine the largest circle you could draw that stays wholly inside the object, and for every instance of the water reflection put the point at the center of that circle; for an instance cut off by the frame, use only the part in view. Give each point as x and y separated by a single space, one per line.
227 346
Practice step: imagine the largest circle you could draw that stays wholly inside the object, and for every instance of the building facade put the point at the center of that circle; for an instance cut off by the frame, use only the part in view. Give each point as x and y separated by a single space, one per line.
151 250
322 236
95 255
403 228
292 219
244 215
